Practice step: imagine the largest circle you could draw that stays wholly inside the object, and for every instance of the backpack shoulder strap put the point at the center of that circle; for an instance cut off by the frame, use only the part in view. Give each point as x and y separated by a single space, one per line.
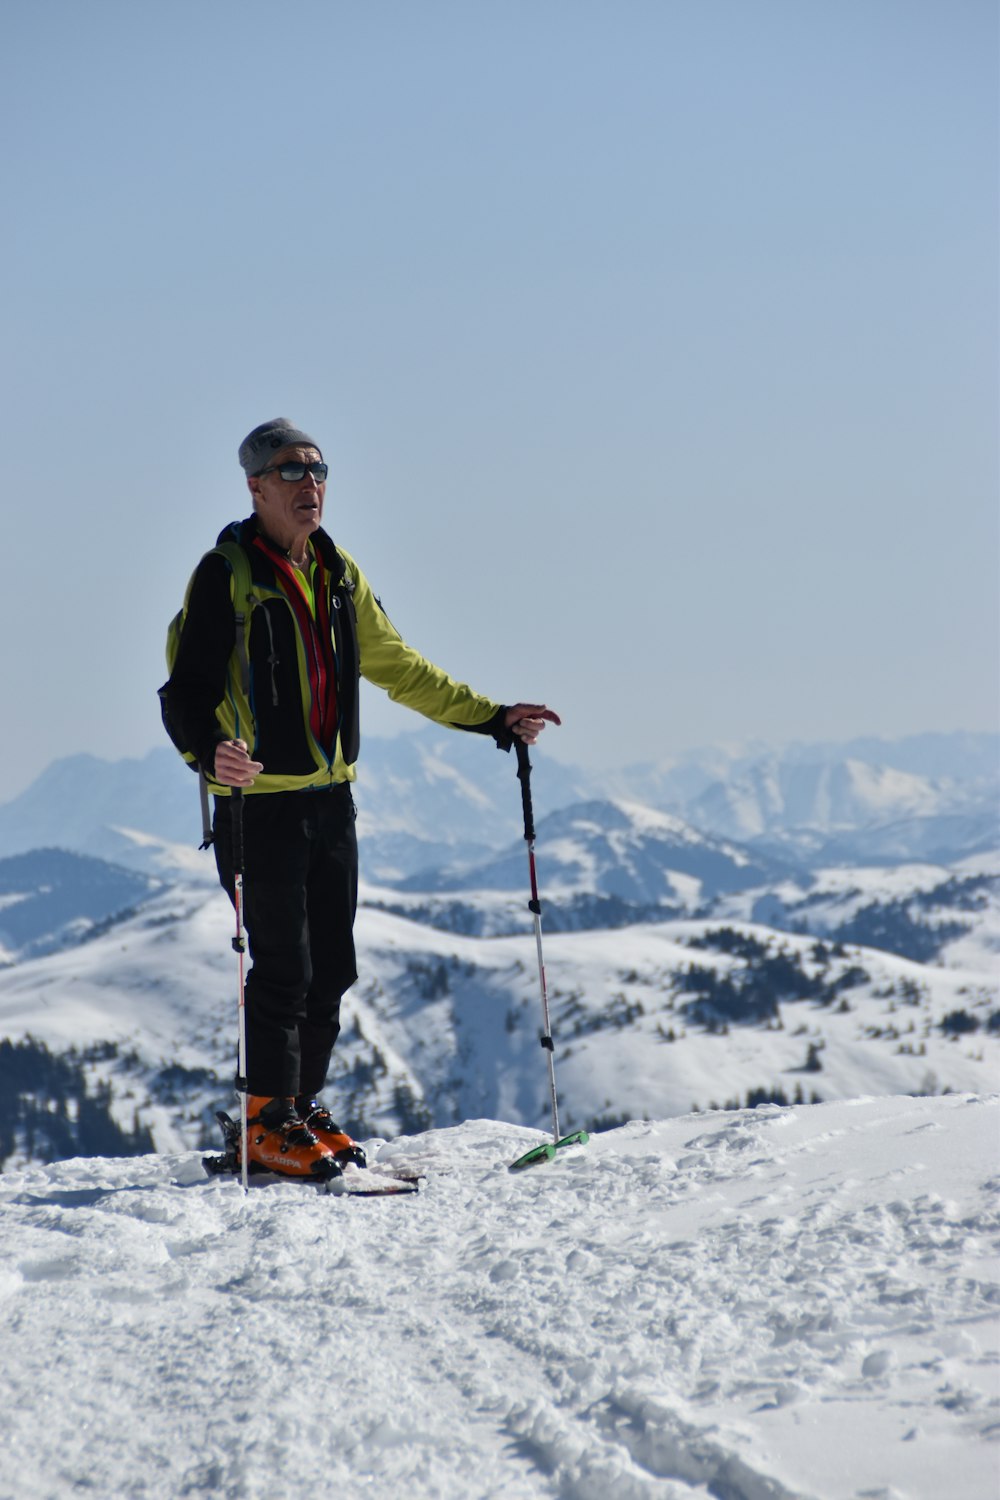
239 564
244 600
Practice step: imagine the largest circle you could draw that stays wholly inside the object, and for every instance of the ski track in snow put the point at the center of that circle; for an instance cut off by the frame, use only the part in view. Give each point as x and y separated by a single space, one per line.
778 1304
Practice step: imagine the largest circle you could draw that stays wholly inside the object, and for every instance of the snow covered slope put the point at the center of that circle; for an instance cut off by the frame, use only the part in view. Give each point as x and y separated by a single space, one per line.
616 848
650 1020
920 911
779 1304
51 898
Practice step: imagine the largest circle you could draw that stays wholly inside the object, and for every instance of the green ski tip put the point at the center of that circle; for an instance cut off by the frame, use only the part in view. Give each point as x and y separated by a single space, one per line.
534 1157
578 1138
547 1151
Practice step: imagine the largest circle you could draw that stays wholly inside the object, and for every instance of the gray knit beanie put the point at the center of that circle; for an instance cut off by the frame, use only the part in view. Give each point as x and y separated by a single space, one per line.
259 446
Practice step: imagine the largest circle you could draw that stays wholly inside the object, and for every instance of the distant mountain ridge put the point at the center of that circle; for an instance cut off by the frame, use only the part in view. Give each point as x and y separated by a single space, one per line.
851 809
773 794
436 797
621 849
660 939
52 898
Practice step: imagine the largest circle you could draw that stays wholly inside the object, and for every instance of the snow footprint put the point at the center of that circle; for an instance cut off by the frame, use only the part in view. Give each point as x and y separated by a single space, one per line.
50 1268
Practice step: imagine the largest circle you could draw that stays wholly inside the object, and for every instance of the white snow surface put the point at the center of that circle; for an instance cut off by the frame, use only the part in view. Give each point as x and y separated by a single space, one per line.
777 1304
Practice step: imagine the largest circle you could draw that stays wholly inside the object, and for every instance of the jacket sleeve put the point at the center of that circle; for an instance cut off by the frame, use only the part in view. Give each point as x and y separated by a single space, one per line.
197 685
409 678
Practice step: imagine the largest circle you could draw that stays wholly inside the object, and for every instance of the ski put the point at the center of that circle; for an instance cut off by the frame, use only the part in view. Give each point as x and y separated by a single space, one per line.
350 1179
547 1151
370 1182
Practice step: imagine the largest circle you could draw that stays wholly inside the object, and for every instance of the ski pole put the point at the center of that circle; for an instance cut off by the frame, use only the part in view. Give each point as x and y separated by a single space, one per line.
535 907
240 948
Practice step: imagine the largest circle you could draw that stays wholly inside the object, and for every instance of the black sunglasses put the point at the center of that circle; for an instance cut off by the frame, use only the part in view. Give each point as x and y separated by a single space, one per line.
294 472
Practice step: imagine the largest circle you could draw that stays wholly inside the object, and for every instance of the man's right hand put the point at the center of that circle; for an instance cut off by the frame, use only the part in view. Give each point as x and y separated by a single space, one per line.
233 766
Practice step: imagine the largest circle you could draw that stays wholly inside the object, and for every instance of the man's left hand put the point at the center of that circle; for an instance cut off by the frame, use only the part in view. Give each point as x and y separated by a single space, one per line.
527 720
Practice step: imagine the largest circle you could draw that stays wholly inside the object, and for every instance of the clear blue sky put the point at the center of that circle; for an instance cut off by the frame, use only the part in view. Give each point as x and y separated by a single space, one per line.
653 347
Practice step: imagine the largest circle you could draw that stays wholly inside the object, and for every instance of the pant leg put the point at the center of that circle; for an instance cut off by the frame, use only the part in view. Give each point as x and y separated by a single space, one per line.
331 905
277 853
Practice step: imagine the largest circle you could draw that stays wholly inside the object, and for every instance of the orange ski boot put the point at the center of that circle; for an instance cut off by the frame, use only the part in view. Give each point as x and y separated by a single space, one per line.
278 1141
326 1130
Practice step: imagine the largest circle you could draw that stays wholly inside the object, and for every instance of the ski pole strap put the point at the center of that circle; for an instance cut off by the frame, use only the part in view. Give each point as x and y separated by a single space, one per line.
207 835
524 777
237 805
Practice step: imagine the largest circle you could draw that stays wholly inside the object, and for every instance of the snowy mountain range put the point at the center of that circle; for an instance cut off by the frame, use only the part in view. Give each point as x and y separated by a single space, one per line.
686 969
856 809
651 1020
434 797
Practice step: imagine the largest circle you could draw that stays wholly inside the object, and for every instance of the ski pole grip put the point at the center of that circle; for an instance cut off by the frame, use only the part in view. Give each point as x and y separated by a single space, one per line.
237 802
524 777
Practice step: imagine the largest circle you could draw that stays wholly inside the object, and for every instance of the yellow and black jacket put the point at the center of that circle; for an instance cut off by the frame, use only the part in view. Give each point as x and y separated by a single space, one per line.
290 688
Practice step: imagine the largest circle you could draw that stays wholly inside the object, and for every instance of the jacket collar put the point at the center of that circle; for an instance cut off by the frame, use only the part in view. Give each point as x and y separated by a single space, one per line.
245 531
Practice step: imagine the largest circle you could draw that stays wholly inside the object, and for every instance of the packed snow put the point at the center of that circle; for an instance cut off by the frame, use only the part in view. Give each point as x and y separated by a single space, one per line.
795 1303
777 1304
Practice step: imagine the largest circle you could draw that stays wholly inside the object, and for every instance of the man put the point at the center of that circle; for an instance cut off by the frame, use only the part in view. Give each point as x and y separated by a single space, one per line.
271 709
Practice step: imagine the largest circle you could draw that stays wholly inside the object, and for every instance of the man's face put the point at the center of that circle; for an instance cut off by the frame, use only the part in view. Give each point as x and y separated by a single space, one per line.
288 509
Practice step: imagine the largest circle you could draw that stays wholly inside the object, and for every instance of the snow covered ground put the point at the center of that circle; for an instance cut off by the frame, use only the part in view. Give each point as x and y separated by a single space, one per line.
778 1304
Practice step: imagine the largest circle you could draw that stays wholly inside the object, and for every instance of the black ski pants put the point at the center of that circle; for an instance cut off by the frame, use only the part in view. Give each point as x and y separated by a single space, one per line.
300 895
